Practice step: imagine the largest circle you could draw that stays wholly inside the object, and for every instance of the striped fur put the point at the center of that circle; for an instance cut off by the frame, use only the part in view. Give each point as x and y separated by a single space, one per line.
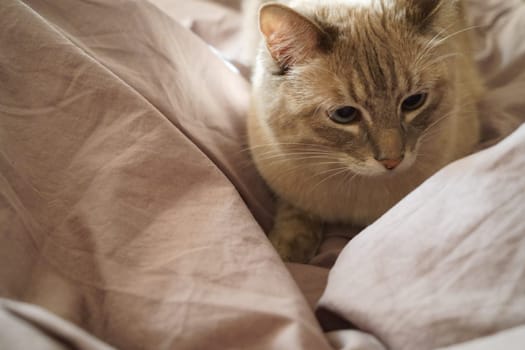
370 55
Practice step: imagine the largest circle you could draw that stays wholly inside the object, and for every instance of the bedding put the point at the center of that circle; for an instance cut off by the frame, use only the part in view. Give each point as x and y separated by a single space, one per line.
132 217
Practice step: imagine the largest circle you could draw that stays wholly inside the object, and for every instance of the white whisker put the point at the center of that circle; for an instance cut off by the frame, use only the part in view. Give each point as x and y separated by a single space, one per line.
337 171
436 41
457 33
430 45
439 60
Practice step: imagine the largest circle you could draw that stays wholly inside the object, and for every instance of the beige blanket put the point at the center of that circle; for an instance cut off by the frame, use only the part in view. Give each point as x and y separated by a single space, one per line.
129 205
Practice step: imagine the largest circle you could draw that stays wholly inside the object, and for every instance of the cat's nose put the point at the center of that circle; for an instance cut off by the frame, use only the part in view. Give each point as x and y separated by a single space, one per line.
391 164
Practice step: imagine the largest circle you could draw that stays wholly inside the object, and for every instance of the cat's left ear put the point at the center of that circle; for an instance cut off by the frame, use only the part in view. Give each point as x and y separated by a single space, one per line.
290 37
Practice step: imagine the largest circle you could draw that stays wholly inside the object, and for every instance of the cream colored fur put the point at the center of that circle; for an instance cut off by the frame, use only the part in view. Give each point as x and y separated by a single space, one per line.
322 171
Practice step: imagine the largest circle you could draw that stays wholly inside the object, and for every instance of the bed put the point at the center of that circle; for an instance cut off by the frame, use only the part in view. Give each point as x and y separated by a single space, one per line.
131 216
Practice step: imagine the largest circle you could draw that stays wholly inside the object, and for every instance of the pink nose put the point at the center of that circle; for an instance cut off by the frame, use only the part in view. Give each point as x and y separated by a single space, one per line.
391 164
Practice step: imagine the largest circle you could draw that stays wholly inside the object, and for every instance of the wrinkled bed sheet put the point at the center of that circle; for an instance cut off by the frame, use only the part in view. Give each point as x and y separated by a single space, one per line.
130 208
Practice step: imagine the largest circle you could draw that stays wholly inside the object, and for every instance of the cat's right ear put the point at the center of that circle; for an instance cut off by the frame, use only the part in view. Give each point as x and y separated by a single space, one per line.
289 36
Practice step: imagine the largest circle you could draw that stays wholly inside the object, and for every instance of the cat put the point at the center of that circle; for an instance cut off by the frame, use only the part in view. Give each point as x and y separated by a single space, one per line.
354 104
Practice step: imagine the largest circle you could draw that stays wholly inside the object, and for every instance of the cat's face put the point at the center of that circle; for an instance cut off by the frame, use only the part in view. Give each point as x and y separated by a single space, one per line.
365 86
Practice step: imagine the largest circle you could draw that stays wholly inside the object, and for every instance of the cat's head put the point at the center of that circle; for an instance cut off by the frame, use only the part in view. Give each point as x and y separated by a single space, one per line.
368 82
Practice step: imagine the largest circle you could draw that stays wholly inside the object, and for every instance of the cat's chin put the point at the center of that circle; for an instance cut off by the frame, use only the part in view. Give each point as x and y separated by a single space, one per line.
382 173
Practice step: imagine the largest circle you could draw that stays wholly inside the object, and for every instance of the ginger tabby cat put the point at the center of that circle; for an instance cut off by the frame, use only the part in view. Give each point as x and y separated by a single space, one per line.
355 103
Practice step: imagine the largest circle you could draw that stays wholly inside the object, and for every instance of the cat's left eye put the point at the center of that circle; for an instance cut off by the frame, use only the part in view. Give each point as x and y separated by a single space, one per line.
414 102
345 115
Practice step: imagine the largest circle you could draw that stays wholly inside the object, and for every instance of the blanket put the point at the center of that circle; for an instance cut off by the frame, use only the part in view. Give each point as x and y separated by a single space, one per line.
131 215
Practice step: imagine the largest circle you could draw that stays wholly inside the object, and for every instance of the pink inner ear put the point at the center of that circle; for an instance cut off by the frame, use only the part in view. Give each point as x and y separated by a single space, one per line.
289 36
283 49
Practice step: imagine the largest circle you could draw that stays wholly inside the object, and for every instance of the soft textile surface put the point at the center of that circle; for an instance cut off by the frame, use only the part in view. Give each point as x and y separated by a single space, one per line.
512 339
120 138
129 206
26 326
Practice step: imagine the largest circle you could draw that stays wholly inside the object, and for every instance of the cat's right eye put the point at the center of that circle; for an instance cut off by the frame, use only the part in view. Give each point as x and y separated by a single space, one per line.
345 115
414 102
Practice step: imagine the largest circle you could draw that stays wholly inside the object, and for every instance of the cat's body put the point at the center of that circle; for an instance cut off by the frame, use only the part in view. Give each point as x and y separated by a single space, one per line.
355 103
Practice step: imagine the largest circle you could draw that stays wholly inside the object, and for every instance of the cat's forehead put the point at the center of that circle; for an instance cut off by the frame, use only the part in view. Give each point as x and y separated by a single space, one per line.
380 55
373 73
374 55
374 62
